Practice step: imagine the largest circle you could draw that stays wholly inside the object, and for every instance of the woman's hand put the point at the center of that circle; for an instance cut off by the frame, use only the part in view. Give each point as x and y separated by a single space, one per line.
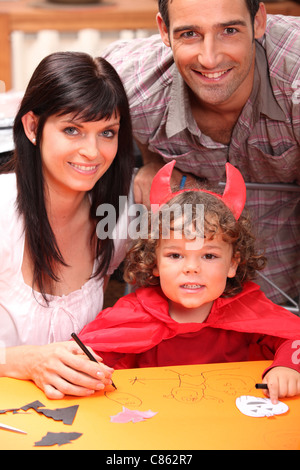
58 369
282 382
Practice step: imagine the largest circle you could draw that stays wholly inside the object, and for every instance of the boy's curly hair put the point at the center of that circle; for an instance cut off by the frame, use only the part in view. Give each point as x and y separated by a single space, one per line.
218 219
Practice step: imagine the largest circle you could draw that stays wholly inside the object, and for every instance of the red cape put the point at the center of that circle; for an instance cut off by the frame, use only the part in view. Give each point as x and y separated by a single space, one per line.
140 321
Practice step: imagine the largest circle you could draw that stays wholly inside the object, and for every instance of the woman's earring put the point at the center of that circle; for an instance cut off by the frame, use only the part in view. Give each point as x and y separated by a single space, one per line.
34 140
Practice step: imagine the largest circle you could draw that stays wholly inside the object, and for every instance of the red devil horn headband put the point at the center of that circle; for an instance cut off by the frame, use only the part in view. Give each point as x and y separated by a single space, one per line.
234 196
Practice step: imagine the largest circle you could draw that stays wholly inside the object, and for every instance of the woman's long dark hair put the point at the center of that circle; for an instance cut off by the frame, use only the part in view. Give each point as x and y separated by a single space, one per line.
64 83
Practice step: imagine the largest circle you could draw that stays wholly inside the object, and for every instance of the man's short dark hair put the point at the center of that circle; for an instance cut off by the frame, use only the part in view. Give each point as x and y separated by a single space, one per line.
252 5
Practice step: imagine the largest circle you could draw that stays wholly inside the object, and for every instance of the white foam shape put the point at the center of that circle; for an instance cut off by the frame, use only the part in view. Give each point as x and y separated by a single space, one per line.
258 407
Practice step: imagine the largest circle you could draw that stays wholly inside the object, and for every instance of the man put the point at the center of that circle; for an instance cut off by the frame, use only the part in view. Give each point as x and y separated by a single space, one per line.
222 83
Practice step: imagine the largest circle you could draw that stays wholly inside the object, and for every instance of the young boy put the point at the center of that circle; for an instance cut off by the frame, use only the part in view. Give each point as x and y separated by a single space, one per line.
196 302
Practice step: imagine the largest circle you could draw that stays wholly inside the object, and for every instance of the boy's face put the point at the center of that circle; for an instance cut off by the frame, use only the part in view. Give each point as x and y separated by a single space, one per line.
193 274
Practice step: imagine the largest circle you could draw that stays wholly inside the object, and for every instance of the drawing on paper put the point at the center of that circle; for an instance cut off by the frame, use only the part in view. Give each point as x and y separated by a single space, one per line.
188 389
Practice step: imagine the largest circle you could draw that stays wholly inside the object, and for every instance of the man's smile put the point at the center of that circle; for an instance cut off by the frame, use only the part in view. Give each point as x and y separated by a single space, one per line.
212 75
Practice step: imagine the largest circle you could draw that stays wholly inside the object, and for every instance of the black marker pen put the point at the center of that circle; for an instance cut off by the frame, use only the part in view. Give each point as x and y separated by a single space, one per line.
261 386
87 352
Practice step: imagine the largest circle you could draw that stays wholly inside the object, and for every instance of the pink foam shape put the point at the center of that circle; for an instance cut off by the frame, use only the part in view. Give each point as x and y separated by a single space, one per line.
136 416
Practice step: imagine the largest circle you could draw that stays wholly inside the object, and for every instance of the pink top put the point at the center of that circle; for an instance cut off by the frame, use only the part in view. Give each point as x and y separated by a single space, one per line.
24 316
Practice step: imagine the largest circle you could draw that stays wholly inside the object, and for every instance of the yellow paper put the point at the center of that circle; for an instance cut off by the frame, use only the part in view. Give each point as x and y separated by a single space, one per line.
195 408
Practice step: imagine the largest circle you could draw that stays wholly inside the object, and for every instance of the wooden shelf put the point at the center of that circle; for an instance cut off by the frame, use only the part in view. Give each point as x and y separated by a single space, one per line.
24 15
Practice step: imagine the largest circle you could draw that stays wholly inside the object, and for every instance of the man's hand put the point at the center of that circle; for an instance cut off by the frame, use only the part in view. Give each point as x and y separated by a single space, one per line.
144 178
143 181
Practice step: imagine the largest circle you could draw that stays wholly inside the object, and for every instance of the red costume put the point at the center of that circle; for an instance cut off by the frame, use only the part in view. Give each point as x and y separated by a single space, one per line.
139 332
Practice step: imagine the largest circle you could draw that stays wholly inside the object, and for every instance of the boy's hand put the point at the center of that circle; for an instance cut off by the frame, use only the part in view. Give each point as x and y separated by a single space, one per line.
282 382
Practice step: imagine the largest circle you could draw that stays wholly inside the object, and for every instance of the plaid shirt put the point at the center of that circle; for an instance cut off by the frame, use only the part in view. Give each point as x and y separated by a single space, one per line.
265 143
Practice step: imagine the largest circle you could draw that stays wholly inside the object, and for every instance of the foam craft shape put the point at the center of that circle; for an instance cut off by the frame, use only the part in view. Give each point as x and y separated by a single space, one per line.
257 407
234 195
59 438
136 416
67 415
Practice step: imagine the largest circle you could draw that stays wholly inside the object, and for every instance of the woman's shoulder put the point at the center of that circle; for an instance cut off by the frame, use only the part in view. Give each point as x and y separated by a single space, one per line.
11 224
8 188
8 196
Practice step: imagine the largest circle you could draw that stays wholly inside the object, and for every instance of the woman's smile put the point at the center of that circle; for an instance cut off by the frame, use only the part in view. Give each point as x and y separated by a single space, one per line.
84 169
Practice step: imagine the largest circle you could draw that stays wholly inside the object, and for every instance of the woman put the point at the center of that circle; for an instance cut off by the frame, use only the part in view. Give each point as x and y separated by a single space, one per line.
73 152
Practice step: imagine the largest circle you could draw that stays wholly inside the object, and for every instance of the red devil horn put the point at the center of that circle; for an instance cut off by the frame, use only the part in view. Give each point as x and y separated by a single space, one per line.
160 189
234 195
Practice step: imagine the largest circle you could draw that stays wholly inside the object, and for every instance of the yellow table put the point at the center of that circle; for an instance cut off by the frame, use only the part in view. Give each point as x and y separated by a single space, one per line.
195 408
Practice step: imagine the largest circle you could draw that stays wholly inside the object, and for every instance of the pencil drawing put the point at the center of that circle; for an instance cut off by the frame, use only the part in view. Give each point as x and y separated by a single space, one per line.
188 389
